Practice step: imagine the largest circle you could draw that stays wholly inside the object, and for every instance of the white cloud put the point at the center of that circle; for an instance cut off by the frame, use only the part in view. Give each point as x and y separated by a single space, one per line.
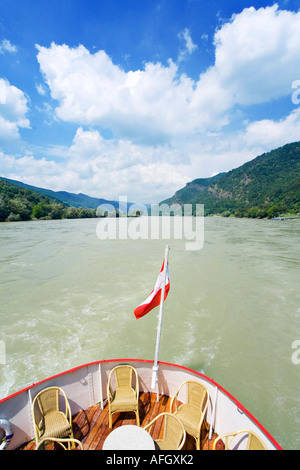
257 54
143 105
167 128
13 110
7 46
101 168
272 134
111 168
257 59
225 151
37 172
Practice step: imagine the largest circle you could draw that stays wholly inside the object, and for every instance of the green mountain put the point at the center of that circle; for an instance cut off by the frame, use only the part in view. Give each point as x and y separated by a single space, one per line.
17 202
69 199
20 201
264 187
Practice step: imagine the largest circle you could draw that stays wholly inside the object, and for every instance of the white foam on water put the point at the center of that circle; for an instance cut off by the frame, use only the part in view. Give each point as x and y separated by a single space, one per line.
232 312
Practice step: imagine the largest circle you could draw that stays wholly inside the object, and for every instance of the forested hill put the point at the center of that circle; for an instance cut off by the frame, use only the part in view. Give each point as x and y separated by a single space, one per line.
66 198
18 202
267 186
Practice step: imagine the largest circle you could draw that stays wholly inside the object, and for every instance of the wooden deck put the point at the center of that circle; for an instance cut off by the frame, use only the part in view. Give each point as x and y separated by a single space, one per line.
91 426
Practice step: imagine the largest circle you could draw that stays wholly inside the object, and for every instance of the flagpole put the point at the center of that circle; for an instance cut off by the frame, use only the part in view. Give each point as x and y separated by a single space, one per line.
155 366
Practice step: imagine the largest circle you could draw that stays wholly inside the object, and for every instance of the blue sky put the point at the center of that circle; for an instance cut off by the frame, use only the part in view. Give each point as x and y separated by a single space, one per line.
136 97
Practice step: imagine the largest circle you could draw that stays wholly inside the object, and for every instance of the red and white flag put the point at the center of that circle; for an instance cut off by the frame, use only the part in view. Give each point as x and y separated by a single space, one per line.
153 300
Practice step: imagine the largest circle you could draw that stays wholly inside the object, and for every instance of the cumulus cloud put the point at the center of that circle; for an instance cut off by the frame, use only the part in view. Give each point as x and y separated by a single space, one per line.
257 54
41 172
142 105
150 105
256 61
101 168
110 166
166 128
269 133
13 110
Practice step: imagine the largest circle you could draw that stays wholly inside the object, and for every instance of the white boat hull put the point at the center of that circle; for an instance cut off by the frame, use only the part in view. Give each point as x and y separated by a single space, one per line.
86 385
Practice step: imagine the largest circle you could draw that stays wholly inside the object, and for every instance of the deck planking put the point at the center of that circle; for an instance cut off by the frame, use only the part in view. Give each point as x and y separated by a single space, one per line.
90 426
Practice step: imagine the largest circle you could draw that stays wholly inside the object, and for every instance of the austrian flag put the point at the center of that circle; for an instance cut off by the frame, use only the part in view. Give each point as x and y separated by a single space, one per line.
154 298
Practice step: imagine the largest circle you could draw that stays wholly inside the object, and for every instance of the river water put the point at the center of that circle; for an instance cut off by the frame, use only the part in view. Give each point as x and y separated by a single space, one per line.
67 298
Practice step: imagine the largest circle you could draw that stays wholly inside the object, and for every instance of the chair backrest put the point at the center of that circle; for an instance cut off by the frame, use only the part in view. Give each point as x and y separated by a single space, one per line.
236 440
123 377
197 395
48 400
174 432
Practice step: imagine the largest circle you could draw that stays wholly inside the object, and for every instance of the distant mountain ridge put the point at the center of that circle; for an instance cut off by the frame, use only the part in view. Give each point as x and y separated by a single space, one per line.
266 186
69 199
263 187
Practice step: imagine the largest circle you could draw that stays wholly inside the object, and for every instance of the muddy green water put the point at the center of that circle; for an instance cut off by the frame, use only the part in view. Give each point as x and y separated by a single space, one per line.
233 310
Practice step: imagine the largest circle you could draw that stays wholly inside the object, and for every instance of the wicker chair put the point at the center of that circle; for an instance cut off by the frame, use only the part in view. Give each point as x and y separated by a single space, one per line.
49 420
63 444
124 397
253 441
192 413
173 432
